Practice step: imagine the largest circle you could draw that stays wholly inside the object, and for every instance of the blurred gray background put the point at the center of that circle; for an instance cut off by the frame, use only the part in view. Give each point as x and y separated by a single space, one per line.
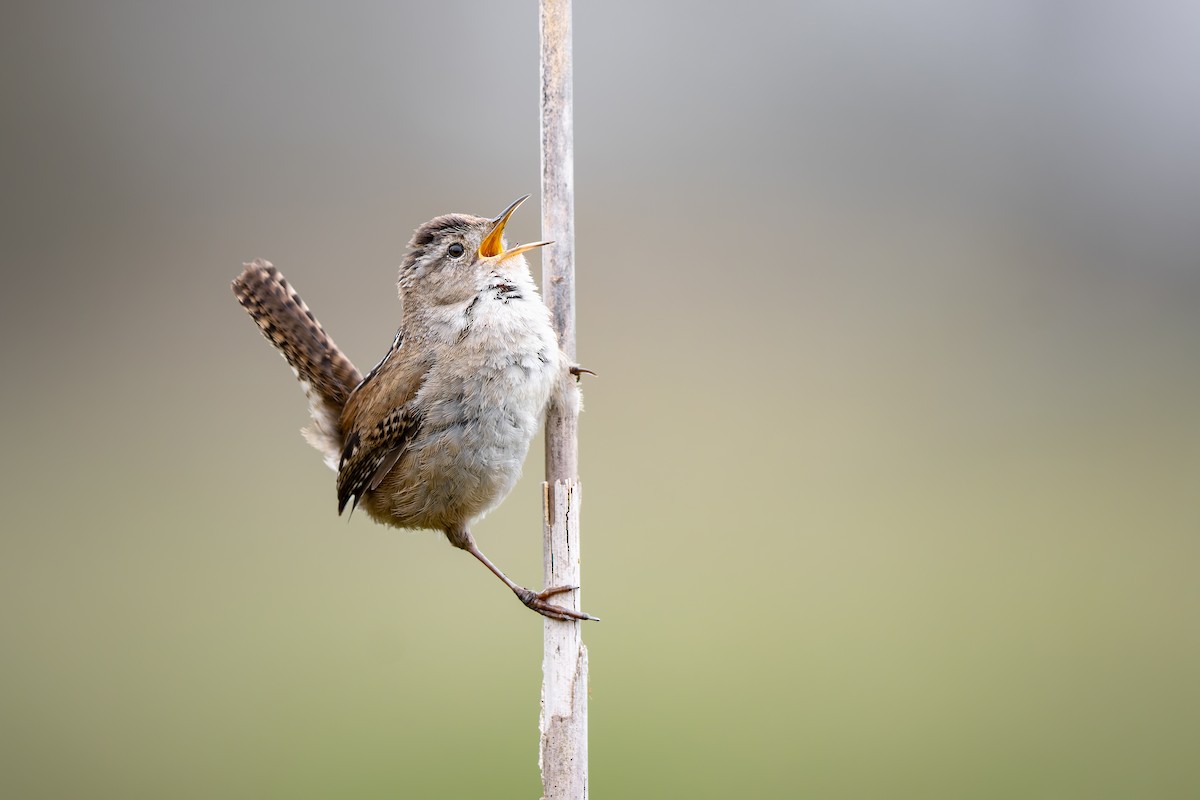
890 471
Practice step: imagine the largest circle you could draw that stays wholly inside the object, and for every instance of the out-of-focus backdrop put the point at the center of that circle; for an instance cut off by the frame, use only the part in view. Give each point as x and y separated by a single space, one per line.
891 469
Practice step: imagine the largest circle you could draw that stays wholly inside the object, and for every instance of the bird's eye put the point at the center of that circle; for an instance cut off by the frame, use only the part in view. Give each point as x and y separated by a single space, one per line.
455 250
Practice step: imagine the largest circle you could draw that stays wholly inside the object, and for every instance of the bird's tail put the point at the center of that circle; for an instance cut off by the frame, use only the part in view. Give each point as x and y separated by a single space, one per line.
325 374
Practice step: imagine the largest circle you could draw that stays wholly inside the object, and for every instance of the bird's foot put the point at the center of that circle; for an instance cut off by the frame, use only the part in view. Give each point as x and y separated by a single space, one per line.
578 371
537 601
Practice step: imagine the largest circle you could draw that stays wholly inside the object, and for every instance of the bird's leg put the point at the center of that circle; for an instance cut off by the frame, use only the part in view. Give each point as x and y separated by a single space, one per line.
534 600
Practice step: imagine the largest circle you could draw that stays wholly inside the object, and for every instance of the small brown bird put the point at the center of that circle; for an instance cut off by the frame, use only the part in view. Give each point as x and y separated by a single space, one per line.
434 436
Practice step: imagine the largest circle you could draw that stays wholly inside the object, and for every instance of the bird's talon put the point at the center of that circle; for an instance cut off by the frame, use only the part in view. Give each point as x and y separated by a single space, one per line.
578 371
537 602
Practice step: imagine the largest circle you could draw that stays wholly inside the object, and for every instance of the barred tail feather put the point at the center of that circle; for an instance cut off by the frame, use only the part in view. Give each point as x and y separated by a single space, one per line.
325 374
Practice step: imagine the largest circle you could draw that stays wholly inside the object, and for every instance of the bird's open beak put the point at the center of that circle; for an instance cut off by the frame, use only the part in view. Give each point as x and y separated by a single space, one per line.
492 245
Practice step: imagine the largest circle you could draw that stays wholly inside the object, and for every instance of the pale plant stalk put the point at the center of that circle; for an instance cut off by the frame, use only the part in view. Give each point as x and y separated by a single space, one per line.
563 753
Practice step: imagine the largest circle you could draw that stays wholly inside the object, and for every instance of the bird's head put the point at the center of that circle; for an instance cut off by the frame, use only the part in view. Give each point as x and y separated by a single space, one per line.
450 253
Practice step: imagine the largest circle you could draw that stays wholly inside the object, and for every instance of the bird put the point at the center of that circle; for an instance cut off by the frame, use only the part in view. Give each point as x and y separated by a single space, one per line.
435 434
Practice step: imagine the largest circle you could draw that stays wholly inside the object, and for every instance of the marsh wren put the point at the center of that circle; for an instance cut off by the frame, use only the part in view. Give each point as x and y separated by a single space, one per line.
434 436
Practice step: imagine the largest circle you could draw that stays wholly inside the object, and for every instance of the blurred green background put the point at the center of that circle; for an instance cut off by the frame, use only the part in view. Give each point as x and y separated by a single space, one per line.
890 474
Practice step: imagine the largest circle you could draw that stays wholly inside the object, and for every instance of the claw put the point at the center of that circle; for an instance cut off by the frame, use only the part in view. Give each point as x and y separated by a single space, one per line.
578 371
538 603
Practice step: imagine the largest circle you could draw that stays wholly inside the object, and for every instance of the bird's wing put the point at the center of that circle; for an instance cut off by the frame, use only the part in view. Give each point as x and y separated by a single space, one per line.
380 419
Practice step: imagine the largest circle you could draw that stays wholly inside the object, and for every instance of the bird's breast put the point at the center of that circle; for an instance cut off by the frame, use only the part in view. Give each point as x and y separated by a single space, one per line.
508 339
483 401
498 363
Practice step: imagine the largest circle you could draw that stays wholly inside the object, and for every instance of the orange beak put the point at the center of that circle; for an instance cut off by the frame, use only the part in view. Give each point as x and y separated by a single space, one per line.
492 245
